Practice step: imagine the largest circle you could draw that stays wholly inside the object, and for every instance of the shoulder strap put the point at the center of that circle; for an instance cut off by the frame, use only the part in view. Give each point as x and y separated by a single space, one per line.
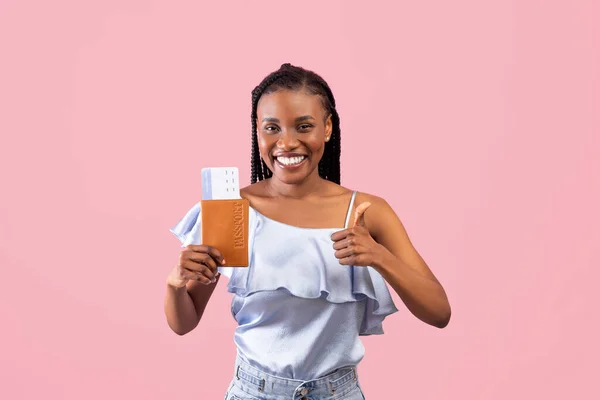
349 213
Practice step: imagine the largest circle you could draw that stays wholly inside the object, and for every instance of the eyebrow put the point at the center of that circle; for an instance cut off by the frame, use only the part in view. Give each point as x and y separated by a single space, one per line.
304 118
299 119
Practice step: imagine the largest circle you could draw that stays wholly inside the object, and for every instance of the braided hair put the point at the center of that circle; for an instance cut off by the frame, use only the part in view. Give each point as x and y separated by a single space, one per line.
290 77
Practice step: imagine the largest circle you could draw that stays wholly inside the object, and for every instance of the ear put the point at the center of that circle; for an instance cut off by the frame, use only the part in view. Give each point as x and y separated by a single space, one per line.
328 128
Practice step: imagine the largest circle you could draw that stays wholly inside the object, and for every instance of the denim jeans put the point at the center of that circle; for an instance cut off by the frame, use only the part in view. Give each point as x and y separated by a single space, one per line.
250 383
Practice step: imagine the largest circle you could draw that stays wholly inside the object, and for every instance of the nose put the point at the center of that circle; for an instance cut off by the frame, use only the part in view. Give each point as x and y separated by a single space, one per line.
287 140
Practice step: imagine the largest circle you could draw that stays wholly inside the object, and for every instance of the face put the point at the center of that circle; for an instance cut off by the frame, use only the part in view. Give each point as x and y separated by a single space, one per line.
292 131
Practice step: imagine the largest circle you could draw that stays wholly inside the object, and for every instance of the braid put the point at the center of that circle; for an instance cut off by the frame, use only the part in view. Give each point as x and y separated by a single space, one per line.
296 78
260 170
332 153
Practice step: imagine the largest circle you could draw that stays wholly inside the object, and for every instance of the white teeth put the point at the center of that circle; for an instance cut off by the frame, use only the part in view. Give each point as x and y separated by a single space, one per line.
290 160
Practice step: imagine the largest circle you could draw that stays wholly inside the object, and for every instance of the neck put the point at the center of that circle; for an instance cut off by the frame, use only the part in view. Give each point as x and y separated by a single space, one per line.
311 185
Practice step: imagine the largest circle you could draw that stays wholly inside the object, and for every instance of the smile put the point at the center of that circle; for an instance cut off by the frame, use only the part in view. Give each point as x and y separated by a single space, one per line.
290 161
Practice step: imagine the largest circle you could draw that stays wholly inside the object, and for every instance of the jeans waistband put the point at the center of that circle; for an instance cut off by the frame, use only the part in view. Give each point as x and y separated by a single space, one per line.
255 382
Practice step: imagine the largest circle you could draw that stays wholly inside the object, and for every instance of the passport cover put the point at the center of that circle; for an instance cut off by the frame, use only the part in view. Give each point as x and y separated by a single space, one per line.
225 227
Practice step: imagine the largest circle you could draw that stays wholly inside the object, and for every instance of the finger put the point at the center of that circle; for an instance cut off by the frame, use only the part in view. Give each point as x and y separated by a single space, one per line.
197 268
203 279
339 235
350 260
214 253
203 258
359 214
200 269
199 277
206 280
357 260
342 244
189 274
344 253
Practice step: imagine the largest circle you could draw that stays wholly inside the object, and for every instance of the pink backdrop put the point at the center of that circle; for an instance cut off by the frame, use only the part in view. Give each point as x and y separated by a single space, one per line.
478 121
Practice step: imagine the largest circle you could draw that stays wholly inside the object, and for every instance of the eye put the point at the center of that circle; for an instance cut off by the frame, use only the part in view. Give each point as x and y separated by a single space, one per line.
304 127
271 128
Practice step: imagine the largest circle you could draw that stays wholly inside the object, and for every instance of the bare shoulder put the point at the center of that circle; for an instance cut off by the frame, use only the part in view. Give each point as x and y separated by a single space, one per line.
375 201
380 217
254 190
385 227
379 206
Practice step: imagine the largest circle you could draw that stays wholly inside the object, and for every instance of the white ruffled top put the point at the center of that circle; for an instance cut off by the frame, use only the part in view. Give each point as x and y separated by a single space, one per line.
299 312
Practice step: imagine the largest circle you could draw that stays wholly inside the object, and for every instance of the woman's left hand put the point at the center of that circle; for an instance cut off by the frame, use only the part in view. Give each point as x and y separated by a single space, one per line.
355 246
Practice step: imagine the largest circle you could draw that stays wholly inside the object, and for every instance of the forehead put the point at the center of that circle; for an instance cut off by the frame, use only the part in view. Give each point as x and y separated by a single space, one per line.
289 103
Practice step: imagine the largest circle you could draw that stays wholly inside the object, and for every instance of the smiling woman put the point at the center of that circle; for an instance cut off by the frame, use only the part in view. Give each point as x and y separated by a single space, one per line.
302 95
317 281
293 145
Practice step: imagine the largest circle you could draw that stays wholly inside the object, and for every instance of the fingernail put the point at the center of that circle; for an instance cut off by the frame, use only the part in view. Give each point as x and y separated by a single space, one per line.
223 262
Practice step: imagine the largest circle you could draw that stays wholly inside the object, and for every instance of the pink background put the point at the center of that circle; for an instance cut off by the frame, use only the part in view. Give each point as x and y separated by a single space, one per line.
478 121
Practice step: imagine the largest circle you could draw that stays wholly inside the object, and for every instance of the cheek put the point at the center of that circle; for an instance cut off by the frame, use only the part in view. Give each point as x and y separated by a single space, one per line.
317 144
264 145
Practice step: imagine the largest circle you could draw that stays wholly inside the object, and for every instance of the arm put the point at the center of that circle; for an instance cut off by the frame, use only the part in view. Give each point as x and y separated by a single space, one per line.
190 285
403 268
185 306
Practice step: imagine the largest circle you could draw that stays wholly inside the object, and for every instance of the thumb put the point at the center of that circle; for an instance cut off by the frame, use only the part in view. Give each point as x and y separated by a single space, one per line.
359 214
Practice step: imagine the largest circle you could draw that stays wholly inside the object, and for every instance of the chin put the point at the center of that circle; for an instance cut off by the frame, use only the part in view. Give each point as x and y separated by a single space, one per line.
290 178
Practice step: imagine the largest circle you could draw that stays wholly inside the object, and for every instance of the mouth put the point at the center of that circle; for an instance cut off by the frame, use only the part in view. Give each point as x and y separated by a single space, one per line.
290 162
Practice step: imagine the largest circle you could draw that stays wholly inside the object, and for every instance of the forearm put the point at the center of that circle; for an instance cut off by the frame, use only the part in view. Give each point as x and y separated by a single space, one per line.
422 295
180 310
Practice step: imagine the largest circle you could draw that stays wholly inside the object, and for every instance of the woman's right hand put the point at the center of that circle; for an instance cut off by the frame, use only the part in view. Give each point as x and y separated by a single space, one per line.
198 263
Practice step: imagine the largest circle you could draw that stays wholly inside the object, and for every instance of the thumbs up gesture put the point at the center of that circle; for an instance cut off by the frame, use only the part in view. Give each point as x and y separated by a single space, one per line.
354 245
359 214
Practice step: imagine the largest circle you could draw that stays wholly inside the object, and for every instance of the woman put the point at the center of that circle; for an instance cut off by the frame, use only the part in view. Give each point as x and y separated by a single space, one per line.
317 276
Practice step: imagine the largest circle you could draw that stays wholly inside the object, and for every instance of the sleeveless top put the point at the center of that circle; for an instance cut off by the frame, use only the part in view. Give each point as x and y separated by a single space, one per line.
299 311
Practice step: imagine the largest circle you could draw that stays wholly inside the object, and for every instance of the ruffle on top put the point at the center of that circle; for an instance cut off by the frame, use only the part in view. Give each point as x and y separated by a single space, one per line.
300 261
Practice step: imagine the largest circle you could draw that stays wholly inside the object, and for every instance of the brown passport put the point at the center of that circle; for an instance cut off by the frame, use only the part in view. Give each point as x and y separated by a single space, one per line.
225 227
